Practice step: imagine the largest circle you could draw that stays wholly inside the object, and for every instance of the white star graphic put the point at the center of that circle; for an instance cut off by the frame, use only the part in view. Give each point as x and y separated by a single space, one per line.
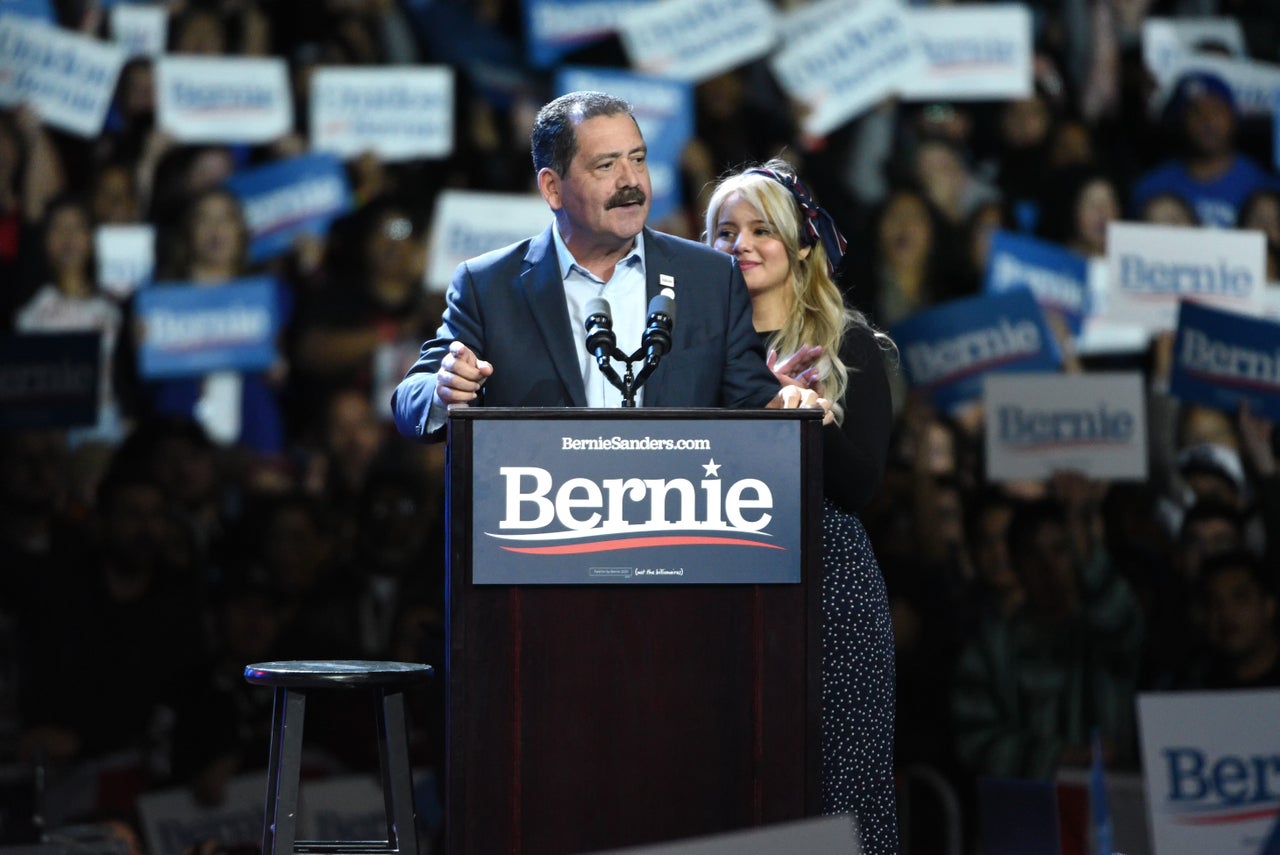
712 468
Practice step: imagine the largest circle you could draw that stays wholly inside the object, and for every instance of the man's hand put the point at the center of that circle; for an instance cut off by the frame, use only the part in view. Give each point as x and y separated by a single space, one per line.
794 397
461 376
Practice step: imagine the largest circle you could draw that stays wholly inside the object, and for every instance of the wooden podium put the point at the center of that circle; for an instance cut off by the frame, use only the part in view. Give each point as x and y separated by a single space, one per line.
583 717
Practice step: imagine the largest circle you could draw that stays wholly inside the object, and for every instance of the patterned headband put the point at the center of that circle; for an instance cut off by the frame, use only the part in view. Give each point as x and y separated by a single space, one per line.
818 224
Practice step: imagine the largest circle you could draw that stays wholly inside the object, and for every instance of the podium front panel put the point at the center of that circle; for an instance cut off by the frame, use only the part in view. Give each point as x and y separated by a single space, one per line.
641 709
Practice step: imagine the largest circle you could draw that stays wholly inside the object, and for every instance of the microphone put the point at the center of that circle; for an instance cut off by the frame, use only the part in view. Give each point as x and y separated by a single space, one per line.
601 340
657 335
602 343
656 341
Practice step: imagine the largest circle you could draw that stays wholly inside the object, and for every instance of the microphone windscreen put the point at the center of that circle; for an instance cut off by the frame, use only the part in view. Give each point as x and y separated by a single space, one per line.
598 306
664 304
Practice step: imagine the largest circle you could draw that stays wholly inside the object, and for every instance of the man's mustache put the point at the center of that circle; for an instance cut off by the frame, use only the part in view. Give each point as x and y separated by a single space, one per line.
625 197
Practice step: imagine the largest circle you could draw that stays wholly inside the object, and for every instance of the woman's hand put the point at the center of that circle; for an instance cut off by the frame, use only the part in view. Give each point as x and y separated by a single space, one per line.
798 369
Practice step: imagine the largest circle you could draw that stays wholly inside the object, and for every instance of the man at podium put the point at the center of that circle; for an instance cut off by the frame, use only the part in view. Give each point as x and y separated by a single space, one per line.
515 326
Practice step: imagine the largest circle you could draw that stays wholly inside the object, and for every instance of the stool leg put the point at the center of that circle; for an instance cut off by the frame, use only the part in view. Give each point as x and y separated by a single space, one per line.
397 779
284 771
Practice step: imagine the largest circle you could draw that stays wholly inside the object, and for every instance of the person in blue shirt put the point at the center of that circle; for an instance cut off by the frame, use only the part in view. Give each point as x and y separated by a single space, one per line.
1211 173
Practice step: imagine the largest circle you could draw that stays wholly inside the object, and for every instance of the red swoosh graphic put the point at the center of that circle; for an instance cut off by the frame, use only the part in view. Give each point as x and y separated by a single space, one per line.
1221 819
637 543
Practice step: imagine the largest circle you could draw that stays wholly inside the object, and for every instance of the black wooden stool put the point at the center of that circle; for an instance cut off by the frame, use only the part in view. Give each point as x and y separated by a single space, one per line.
291 681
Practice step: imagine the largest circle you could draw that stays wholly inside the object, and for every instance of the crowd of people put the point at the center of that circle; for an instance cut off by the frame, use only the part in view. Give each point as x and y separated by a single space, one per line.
146 558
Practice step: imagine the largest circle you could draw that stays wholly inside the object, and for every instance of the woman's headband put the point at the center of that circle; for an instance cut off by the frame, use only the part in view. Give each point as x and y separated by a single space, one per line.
818 225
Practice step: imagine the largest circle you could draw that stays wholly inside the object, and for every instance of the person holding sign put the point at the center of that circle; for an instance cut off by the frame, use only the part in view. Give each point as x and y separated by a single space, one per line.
513 329
788 250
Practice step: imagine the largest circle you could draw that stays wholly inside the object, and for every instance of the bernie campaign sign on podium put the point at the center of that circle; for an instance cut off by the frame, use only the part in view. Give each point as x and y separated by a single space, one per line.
636 502
287 198
1222 359
1058 277
189 330
948 349
664 111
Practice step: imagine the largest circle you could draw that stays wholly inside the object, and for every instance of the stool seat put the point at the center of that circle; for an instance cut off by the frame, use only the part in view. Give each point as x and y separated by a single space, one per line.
291 681
336 673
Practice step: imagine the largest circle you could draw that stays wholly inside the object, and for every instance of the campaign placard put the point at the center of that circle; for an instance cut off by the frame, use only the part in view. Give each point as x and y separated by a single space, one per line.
977 52
281 200
208 99
69 78
1209 760
663 109
1222 359
36 10
645 501
1058 277
49 380
189 330
1038 424
126 256
553 28
140 28
1254 84
173 821
1166 42
947 349
398 113
467 223
696 39
1150 268
838 70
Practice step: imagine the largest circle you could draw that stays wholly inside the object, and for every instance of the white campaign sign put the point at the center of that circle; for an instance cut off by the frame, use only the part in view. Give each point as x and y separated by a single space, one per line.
69 79
977 52
203 99
841 69
1254 84
1038 424
467 223
399 113
696 39
1166 41
140 29
126 257
1211 761
1150 268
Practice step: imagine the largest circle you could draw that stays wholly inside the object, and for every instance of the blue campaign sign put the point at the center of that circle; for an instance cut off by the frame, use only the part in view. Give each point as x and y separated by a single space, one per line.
301 195
1058 277
49 380
664 111
189 330
1222 359
948 349
553 28
635 502
39 10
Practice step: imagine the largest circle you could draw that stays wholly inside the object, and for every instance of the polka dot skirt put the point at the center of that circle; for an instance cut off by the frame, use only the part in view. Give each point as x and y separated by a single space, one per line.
857 684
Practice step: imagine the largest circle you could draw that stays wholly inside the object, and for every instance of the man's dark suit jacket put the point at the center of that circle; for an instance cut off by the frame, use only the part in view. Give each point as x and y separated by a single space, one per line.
509 307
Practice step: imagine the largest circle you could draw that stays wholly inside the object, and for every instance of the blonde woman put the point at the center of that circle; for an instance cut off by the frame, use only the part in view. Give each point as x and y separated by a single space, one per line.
789 249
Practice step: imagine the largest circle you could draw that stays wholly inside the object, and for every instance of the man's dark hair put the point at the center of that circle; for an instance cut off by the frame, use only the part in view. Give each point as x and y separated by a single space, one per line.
1028 518
554 139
